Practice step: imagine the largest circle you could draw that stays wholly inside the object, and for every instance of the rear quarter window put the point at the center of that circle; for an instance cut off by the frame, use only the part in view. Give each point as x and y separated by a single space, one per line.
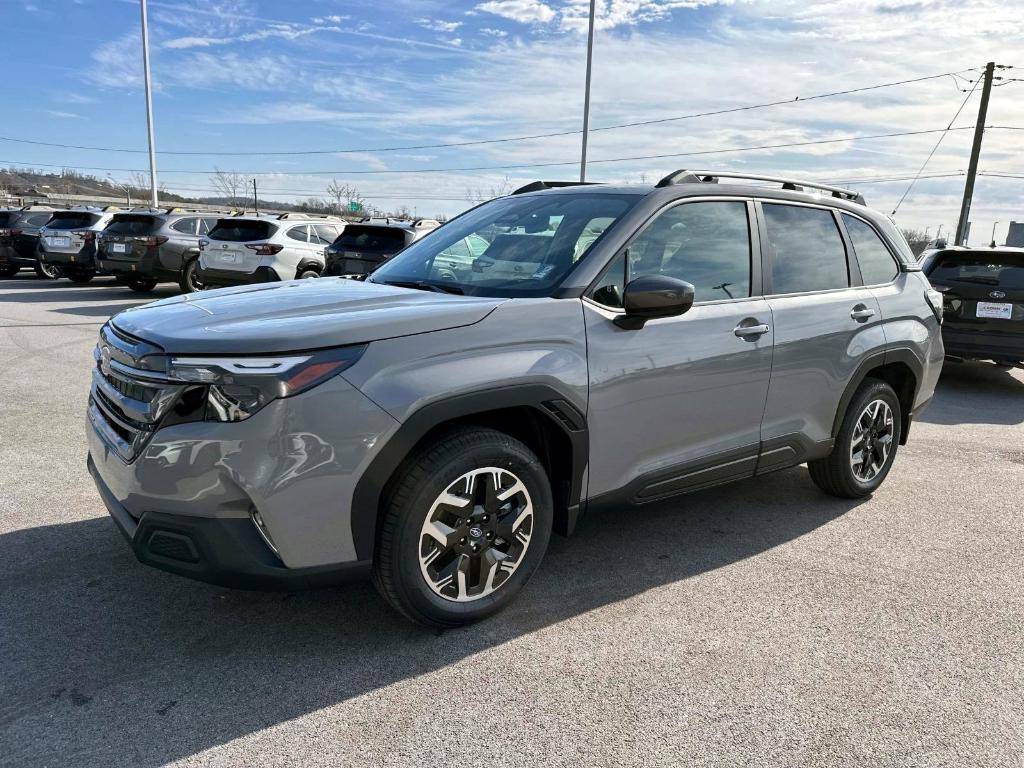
236 231
876 263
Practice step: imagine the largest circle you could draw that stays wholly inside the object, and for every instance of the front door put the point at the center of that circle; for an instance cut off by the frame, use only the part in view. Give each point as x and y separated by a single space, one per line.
676 405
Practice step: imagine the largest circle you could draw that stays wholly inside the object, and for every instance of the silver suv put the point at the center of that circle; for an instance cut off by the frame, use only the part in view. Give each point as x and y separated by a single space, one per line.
611 346
68 241
266 248
143 247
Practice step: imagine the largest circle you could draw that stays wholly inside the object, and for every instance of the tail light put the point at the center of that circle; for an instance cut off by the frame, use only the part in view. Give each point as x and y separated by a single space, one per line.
86 234
151 240
265 249
9 232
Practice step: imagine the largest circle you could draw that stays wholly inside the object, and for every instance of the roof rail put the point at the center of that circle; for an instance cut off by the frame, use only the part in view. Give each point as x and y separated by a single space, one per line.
303 215
711 177
537 186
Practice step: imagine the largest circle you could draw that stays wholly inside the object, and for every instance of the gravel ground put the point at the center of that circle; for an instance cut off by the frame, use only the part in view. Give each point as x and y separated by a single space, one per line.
757 624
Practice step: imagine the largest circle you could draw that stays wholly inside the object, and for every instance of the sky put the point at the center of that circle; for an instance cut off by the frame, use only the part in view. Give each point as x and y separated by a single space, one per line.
347 80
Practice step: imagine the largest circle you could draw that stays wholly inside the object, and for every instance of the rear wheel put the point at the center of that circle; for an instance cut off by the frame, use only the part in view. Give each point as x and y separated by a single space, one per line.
189 281
80 276
308 273
47 271
141 284
465 524
866 445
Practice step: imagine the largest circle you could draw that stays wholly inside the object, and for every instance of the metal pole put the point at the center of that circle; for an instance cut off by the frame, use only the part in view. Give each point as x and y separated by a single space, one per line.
994 223
972 169
149 106
255 197
586 95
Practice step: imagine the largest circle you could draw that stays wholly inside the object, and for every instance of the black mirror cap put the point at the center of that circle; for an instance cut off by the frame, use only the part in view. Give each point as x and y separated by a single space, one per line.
654 296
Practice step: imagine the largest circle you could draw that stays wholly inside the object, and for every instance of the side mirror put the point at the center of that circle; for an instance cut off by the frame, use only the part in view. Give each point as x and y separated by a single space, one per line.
653 296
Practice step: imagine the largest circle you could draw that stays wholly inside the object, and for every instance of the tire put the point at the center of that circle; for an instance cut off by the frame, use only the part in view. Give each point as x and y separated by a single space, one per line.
307 274
418 575
47 271
188 281
81 276
844 473
141 284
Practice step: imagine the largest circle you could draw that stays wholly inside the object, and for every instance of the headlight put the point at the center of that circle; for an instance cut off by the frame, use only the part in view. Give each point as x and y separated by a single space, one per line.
238 387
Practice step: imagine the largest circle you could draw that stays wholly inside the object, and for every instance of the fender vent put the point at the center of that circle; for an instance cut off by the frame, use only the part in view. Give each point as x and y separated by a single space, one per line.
566 414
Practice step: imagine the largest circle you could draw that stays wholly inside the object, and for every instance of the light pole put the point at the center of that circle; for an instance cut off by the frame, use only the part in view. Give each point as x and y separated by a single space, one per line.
149 106
127 190
586 94
994 223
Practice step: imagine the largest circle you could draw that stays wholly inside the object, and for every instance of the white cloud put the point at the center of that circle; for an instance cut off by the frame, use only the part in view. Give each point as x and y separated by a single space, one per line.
283 31
491 32
456 41
524 11
437 25
62 115
610 14
334 19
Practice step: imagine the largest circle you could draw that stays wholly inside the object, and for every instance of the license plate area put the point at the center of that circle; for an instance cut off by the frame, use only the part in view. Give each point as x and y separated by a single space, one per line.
994 310
118 248
58 242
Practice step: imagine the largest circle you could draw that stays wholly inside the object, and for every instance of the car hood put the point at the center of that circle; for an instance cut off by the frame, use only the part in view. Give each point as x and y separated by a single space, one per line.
297 314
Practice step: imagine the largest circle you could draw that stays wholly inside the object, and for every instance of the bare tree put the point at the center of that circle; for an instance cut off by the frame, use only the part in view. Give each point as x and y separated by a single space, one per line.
343 196
916 238
231 185
479 195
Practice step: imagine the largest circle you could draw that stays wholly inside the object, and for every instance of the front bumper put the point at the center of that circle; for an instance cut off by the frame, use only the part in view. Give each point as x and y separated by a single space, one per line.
983 345
220 278
296 462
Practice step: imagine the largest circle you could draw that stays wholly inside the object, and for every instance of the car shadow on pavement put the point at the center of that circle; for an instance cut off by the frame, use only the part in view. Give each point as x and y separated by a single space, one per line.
977 393
104 658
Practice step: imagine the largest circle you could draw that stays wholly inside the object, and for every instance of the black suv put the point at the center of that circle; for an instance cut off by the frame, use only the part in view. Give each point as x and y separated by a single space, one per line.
982 300
19 240
363 247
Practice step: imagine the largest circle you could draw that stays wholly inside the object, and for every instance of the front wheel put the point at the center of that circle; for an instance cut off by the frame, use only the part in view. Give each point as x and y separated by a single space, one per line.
465 524
189 281
47 271
307 274
866 445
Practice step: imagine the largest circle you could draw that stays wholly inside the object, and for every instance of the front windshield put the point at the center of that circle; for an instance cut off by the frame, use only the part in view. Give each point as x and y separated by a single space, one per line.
513 246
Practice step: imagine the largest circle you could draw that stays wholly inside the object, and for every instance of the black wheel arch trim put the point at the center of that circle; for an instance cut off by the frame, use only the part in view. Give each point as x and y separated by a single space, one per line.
547 402
904 355
312 264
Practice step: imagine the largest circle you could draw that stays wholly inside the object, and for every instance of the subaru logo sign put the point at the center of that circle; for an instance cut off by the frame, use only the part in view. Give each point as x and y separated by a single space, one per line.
998 294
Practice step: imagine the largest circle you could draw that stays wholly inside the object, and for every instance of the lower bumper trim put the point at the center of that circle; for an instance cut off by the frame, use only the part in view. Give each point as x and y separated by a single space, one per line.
225 551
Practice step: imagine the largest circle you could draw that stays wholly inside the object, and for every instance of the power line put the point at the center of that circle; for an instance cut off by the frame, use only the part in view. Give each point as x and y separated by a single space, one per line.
479 142
514 166
935 148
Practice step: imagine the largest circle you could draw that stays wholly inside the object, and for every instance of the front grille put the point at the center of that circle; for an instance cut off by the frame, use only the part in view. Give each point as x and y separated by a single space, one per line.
130 393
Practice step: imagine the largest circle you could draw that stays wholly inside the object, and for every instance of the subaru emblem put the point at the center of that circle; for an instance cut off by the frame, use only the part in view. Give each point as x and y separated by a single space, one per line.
998 294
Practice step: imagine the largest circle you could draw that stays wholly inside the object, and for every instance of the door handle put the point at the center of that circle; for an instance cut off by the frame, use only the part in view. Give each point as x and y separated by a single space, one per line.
751 331
861 313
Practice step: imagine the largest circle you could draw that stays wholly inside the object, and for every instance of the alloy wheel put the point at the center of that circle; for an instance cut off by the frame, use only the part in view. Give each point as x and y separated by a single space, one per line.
476 534
872 441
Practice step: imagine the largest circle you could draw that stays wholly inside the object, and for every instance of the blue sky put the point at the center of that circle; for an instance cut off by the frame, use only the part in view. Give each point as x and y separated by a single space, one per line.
261 76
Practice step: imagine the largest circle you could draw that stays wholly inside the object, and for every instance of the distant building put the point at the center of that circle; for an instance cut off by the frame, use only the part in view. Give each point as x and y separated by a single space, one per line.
1015 235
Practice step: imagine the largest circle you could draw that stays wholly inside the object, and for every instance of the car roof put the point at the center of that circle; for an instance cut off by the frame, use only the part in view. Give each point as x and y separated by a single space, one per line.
976 250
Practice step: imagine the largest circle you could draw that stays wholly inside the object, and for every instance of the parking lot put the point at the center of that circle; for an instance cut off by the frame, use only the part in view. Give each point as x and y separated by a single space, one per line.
762 623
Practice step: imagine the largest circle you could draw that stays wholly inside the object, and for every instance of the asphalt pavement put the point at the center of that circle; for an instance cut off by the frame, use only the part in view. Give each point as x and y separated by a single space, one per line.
760 624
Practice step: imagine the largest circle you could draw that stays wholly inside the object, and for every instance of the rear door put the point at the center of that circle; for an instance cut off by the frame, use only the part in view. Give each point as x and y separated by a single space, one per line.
825 326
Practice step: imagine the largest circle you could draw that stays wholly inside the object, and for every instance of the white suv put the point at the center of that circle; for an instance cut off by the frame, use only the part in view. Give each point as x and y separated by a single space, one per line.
265 248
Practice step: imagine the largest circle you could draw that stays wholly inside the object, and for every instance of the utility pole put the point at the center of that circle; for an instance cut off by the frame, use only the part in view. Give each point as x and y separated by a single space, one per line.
972 169
149 105
255 197
586 94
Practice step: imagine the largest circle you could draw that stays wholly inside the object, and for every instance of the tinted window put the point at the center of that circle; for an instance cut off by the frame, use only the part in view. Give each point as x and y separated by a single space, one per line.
998 270
6 217
805 248
185 226
298 233
322 234
608 290
38 219
361 237
205 225
876 264
241 231
706 244
72 220
132 225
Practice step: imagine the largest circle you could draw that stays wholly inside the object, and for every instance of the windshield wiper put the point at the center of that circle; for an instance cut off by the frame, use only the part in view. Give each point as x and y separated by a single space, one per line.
424 285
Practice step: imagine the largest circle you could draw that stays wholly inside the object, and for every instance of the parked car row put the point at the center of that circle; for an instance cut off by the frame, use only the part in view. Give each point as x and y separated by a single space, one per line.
143 247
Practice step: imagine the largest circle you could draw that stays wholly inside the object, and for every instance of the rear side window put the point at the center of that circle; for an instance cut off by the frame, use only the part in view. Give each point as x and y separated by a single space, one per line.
360 237
298 233
995 270
806 249
876 263
72 220
242 231
205 225
132 225
185 226
322 234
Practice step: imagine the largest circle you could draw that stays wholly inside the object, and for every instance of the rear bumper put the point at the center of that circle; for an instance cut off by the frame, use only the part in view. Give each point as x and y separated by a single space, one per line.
148 265
224 551
983 345
84 259
9 255
224 277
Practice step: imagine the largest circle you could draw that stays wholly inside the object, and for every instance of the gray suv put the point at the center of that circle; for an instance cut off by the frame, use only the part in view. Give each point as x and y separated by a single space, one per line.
435 427
145 247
